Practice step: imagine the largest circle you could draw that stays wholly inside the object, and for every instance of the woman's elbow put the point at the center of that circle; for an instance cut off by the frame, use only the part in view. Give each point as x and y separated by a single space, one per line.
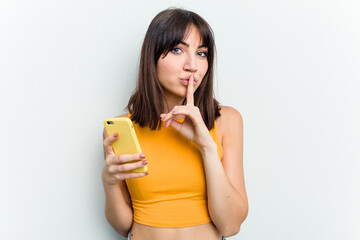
234 228
230 231
121 227
122 233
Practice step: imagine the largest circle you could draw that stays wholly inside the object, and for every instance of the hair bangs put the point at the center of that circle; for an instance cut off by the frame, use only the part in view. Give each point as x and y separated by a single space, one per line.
175 27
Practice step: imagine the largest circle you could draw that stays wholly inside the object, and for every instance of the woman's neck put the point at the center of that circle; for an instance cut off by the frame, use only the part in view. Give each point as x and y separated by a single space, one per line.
171 103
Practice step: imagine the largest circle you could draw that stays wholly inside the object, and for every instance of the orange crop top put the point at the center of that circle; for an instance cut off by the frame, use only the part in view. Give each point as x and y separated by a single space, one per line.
173 195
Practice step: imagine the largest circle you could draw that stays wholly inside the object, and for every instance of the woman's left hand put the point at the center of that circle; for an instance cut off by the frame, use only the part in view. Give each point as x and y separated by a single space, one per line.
193 126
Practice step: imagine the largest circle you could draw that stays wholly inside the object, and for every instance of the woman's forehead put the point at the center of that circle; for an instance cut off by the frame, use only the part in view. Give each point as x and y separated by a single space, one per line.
193 32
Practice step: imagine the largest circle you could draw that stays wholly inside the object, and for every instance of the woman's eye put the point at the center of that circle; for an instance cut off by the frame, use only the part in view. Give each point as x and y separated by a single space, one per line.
176 50
202 54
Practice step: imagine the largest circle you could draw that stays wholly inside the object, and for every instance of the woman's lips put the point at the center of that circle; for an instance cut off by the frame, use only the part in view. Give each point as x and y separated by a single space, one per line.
186 81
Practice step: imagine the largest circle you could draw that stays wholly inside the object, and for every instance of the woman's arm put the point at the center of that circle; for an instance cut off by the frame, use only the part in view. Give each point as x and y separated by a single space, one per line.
227 199
118 210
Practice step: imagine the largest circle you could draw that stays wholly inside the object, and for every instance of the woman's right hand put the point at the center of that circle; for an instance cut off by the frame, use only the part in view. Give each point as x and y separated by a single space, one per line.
114 170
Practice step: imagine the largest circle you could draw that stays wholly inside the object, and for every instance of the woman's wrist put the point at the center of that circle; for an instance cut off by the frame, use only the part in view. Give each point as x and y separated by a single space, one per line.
110 186
210 148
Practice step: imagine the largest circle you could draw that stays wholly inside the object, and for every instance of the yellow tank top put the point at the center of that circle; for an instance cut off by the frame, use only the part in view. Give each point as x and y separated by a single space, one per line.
173 195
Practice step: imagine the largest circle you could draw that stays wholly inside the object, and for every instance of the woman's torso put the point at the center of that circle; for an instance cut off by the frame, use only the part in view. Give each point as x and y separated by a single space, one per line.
204 231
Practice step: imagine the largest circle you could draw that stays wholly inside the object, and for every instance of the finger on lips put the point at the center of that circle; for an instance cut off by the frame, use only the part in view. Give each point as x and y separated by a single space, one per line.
190 92
167 117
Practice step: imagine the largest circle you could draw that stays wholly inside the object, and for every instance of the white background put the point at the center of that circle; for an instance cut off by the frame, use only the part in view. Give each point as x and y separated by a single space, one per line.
292 69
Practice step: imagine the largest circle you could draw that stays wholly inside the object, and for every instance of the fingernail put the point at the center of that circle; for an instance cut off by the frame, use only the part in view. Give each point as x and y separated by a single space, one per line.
116 135
146 173
142 155
144 162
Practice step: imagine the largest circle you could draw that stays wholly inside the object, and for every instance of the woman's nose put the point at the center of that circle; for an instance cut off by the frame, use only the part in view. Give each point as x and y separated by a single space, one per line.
190 64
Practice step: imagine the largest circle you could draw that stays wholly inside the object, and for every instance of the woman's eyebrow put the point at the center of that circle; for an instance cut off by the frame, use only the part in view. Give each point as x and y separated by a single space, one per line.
184 43
187 45
202 46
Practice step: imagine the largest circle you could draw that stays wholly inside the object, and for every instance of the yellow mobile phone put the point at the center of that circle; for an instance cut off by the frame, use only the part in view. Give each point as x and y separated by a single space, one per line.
127 141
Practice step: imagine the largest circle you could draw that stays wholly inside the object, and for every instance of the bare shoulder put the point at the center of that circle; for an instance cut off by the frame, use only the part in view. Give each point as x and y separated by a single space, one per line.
229 121
104 132
230 113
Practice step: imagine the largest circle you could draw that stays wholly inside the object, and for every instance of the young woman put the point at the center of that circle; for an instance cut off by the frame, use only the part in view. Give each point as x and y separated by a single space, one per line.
194 187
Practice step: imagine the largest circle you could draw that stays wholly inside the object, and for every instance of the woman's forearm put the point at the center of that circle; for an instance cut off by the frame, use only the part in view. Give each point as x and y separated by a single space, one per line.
226 207
117 212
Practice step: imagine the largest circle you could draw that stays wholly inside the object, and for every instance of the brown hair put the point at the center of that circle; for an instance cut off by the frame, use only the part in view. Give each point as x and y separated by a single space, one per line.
165 31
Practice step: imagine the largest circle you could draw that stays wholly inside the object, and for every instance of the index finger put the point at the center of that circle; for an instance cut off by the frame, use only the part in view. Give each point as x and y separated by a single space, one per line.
190 91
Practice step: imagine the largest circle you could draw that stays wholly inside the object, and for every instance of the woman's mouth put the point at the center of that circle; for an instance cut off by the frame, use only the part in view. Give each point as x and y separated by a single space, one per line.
185 81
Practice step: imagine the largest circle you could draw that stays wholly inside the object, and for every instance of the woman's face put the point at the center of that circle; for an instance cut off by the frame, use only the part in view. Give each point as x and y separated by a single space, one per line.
188 58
